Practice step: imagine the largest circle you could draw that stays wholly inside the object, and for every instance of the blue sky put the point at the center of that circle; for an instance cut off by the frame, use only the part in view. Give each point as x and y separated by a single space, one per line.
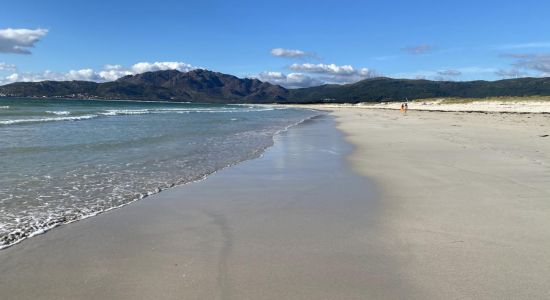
333 41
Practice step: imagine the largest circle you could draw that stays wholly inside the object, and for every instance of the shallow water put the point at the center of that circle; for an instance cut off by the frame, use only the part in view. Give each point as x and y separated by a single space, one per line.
64 160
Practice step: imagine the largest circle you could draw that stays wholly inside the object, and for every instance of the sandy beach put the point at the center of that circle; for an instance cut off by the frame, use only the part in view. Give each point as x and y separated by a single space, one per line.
465 197
296 223
423 205
511 105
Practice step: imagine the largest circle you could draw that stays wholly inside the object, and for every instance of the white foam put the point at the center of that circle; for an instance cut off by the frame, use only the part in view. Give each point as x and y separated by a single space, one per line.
59 113
55 217
4 107
38 120
116 112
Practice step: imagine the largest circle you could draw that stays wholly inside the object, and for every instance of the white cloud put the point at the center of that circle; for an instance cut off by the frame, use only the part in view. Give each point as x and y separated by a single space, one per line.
11 78
525 46
143 67
324 68
446 74
7 67
108 73
513 73
535 62
114 72
83 74
449 72
30 76
19 40
281 52
332 69
292 80
418 49
332 73
526 64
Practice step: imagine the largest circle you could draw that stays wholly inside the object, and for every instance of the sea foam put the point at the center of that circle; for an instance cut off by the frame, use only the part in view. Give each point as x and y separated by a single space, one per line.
59 113
39 120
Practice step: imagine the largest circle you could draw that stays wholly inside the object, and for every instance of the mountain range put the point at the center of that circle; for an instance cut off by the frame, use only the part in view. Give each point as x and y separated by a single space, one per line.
214 87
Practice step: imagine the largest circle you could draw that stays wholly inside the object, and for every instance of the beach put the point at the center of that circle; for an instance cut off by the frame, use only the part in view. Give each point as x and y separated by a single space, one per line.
465 197
358 204
294 224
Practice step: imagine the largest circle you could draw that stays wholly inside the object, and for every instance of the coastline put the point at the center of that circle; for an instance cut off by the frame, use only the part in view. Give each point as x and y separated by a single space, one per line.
15 234
423 205
295 223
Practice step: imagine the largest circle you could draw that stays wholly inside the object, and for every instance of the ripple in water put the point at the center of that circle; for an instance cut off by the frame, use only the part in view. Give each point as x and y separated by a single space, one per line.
94 156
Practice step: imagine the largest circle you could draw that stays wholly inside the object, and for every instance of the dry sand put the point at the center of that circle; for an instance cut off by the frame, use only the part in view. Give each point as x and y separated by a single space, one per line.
465 198
507 106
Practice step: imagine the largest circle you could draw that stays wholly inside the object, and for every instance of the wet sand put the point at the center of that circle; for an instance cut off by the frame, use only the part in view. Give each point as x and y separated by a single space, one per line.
296 223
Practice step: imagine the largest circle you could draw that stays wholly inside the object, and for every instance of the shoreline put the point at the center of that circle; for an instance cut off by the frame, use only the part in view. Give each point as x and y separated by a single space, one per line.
361 203
55 225
295 223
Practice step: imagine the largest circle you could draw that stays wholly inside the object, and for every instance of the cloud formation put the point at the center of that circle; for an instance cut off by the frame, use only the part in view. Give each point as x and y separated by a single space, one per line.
525 64
446 75
525 45
113 72
535 62
513 73
332 69
19 41
143 67
308 74
292 80
332 73
108 73
7 67
327 69
449 72
418 49
289 53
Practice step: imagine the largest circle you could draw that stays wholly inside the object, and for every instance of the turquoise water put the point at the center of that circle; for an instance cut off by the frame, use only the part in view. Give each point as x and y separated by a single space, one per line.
64 160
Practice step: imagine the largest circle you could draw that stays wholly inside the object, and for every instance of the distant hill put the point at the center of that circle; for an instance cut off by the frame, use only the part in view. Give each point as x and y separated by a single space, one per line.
170 85
208 86
388 89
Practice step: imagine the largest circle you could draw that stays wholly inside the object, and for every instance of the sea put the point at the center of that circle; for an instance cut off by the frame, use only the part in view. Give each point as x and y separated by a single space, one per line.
65 160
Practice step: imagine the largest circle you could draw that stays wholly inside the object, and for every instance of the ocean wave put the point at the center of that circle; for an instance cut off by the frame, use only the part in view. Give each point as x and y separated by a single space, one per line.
133 185
4 107
116 112
63 115
59 112
40 120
